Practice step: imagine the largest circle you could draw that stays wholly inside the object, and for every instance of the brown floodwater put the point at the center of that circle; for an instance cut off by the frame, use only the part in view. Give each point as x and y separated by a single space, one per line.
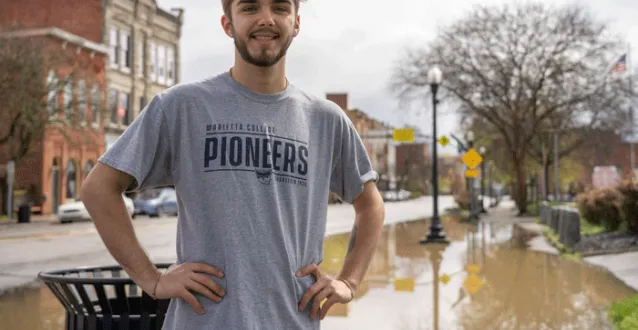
511 288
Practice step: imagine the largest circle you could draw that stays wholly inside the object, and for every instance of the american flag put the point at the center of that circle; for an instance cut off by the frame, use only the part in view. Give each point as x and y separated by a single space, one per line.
621 64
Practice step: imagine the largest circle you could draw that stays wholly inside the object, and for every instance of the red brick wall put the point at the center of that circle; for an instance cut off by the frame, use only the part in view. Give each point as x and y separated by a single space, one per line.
606 149
81 17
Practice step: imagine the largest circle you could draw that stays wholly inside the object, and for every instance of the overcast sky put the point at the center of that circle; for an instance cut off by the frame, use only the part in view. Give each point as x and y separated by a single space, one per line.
351 46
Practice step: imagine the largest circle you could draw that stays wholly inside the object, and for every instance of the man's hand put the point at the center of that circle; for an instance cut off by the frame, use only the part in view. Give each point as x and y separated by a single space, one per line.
179 280
326 287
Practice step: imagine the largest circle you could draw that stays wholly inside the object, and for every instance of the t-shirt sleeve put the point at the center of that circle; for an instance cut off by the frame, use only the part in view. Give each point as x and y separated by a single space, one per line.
143 150
352 167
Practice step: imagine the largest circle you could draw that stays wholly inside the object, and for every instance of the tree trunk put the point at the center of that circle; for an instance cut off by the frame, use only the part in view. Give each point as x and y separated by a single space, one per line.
546 169
521 185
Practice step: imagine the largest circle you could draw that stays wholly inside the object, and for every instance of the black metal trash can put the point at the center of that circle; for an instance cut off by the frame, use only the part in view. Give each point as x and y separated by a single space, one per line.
104 298
24 214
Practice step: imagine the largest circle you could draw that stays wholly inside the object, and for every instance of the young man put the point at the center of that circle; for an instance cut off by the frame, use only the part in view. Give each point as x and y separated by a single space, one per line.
252 159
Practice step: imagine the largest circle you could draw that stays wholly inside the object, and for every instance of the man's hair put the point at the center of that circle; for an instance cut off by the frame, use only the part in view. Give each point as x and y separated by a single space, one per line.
227 3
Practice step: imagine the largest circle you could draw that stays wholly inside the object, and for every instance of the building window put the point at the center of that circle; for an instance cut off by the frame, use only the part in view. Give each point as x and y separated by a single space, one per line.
88 168
153 61
68 99
113 105
113 49
52 95
95 107
161 64
82 106
142 102
125 51
123 110
170 70
71 180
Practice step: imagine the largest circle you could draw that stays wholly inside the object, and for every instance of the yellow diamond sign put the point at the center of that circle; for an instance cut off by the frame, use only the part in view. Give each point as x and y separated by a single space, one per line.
445 278
471 173
472 159
472 283
403 135
443 140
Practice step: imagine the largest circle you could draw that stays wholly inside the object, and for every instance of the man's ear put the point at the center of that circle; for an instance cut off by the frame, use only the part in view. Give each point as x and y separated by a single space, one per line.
297 24
227 25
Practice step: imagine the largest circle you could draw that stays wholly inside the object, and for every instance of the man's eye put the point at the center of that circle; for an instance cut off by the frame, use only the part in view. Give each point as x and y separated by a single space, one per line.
281 9
250 8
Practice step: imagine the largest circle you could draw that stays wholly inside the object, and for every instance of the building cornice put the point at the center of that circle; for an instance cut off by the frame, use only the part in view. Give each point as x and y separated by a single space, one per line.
60 34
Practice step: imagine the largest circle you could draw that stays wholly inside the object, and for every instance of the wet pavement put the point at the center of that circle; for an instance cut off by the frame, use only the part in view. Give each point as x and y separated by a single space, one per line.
413 287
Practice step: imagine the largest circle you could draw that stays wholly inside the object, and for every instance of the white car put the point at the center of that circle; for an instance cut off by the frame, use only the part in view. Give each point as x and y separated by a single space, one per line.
75 210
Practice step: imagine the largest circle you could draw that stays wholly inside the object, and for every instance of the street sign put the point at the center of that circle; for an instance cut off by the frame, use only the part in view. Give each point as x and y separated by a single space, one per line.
443 140
472 173
404 284
403 135
445 278
605 176
472 283
473 268
472 159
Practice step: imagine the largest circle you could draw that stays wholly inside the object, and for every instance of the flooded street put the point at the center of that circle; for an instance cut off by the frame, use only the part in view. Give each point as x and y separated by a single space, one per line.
413 287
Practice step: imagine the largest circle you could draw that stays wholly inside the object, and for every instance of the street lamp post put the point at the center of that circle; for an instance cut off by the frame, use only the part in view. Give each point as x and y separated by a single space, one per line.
436 234
482 152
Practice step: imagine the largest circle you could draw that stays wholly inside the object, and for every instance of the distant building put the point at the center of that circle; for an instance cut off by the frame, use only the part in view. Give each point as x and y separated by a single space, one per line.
143 42
134 45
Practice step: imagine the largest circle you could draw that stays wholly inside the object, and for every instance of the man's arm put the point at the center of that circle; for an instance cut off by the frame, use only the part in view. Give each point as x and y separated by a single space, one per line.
368 225
101 193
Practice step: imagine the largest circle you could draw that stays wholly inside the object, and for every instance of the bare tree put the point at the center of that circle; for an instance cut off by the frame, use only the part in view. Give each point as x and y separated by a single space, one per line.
524 69
36 92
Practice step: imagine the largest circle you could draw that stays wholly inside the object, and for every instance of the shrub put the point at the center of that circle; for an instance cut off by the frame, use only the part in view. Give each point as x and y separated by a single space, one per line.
462 199
600 207
628 205
624 314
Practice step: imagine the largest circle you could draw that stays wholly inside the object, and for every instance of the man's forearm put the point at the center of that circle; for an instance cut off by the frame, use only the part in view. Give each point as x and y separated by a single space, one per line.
115 227
362 245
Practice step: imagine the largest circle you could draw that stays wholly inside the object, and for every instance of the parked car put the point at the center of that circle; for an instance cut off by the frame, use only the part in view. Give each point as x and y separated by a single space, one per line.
395 196
156 202
75 210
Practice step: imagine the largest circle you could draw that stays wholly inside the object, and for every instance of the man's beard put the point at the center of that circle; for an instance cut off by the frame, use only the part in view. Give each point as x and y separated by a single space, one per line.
263 60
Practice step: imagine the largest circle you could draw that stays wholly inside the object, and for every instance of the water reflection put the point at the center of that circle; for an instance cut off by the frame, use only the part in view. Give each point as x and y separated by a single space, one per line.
519 289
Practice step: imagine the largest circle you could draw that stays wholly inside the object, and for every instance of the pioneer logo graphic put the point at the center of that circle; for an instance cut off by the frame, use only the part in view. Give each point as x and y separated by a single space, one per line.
265 154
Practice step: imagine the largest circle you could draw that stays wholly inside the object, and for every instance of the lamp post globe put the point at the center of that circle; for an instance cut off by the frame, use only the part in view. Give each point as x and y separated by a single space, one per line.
436 234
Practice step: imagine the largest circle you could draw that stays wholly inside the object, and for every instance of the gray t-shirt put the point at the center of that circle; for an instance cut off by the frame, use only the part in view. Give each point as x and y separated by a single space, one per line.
252 174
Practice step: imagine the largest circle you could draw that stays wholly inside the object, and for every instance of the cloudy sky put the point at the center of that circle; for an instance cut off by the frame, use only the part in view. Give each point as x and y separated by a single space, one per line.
352 45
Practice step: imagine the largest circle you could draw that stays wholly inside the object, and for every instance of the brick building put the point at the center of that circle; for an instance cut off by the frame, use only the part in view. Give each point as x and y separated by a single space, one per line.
135 45
55 166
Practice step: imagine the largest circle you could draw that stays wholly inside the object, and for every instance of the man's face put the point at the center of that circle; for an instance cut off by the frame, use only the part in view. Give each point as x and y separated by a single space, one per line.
262 29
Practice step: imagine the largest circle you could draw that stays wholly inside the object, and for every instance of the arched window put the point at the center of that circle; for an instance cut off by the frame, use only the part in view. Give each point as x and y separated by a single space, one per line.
71 179
88 168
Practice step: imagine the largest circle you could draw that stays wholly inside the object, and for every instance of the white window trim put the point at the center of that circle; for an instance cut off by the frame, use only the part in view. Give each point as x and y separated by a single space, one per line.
153 58
113 62
161 64
140 61
82 102
170 65
124 47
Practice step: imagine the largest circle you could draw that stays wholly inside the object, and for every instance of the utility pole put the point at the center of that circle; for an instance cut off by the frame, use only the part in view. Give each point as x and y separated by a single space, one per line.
544 172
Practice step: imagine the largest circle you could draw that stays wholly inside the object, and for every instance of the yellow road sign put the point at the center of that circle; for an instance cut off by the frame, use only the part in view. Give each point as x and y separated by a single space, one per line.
404 284
471 173
443 140
472 159
444 278
403 135
472 283
473 268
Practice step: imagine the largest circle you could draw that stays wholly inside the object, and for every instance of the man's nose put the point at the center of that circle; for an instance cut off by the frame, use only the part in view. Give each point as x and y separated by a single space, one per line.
266 17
